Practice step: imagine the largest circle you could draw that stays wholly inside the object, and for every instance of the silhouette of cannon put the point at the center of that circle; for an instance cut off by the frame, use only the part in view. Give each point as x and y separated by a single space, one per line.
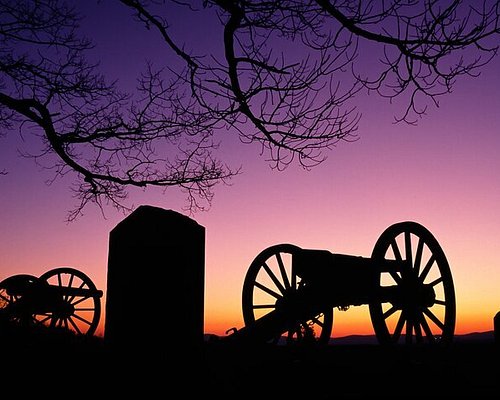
289 293
60 298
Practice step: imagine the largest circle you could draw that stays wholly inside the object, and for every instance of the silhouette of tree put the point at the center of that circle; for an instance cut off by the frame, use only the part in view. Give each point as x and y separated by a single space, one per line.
283 77
86 125
282 62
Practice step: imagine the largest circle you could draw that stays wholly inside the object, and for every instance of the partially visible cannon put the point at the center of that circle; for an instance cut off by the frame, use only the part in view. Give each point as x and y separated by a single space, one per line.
289 293
60 298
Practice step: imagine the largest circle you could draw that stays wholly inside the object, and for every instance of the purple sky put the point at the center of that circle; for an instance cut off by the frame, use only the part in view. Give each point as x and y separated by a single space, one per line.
442 173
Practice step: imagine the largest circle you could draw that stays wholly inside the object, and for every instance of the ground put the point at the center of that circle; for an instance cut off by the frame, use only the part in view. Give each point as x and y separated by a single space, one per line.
62 367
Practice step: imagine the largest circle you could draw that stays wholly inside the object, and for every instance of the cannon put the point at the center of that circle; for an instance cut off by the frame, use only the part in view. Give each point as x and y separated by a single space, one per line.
290 293
60 298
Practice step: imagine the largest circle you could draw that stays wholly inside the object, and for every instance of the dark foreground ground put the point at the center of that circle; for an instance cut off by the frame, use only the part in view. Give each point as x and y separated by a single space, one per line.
55 367
467 369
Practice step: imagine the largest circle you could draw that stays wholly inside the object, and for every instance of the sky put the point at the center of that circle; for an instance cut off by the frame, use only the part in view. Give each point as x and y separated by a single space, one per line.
442 173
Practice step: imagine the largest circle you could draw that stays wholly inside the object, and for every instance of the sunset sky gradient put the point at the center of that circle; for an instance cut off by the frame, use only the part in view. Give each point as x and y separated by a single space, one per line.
442 173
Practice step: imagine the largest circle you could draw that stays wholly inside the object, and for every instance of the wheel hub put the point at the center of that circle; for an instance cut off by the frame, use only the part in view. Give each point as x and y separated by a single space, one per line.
415 295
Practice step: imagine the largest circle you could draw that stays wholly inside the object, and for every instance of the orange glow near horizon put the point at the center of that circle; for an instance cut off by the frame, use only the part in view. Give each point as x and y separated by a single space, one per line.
443 173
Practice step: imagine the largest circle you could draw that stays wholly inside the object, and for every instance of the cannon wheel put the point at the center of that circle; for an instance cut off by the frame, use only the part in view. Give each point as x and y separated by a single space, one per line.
269 278
426 264
86 308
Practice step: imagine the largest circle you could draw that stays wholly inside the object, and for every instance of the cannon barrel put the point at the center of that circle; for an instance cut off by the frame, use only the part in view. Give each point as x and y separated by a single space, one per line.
312 264
323 276
331 275
75 291
23 284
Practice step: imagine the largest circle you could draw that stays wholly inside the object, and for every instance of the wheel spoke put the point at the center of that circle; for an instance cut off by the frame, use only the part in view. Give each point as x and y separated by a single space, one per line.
284 276
78 317
409 255
396 277
389 312
434 318
409 331
436 281
263 306
75 326
274 278
81 300
427 268
418 256
395 249
418 332
399 328
317 321
267 290
426 327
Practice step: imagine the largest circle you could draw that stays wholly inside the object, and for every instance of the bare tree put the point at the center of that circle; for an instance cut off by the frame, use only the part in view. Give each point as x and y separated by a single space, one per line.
86 126
285 77
281 80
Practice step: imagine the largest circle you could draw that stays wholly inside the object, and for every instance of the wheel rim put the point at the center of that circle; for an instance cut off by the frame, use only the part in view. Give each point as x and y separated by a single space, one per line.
426 269
270 279
82 310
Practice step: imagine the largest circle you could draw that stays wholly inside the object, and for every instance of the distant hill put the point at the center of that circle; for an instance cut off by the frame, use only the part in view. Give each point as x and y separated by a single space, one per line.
486 337
474 337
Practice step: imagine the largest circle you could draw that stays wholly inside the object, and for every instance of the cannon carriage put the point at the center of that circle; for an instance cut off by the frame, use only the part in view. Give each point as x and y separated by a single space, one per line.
290 293
60 298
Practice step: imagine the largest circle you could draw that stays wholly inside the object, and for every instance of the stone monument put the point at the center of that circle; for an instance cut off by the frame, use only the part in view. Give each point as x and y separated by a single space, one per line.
155 284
